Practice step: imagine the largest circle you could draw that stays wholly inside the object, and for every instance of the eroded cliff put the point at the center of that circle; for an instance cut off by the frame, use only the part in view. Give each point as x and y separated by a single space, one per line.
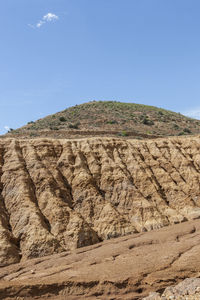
58 195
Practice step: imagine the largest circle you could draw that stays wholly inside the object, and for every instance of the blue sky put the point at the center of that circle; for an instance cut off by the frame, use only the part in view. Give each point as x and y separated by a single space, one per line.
58 53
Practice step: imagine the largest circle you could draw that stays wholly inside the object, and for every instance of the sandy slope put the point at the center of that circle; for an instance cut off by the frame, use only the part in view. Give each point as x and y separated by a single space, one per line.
122 268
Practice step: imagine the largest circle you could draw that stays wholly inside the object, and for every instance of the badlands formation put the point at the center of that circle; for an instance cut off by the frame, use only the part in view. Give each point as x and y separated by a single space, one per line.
98 218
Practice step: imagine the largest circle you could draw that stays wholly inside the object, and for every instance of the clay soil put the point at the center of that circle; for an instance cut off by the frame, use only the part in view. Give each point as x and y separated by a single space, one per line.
123 268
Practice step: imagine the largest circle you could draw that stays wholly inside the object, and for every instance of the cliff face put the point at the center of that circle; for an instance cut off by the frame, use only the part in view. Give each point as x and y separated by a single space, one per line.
58 195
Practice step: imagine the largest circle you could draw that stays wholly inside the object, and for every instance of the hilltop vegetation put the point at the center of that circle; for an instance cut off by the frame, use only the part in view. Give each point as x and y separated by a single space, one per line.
111 116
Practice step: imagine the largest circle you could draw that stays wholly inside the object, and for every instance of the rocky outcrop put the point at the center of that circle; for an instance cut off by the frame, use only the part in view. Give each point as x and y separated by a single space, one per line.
58 195
187 289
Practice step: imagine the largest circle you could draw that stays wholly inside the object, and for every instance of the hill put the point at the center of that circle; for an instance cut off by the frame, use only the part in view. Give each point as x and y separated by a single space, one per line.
112 119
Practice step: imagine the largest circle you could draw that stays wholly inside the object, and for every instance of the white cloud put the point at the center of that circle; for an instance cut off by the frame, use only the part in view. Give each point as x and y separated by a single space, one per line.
50 17
193 113
46 18
39 24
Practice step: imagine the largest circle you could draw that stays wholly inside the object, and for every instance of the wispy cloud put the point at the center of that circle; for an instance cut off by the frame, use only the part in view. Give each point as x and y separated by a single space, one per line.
193 113
50 17
39 24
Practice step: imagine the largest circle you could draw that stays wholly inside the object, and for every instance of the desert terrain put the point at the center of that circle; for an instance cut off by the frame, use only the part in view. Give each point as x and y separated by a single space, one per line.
99 218
101 201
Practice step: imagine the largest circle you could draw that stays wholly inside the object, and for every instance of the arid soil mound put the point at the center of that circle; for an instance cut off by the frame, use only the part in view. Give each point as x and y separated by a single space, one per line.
59 195
110 118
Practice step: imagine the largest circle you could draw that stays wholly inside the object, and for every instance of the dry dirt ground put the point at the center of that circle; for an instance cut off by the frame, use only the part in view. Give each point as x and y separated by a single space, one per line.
123 268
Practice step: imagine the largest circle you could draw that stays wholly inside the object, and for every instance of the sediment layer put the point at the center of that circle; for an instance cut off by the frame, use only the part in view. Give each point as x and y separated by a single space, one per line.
59 195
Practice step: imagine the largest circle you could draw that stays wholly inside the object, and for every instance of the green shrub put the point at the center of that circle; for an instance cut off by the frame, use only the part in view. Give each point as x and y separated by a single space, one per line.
146 121
33 134
112 122
187 130
175 126
62 119
74 126
54 128
181 133
160 113
142 117
123 133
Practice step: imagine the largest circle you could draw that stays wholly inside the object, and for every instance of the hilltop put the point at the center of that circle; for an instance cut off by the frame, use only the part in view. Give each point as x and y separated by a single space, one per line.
111 118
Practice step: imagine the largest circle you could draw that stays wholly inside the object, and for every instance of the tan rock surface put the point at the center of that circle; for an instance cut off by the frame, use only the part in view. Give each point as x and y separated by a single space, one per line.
123 268
187 289
58 195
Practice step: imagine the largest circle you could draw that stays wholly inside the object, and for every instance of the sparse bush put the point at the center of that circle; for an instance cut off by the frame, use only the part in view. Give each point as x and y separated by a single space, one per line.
123 133
142 117
32 134
54 128
181 133
146 121
175 126
62 119
187 130
112 122
74 126
31 122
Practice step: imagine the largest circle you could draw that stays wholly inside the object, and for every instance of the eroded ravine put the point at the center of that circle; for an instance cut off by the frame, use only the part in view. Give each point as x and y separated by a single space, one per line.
57 195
